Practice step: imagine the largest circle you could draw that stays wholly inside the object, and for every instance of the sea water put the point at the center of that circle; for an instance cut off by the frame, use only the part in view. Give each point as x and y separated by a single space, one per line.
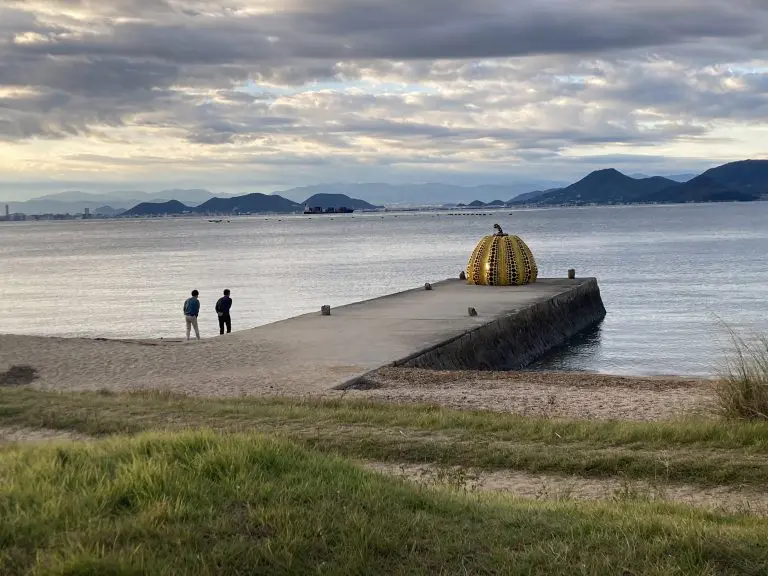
673 278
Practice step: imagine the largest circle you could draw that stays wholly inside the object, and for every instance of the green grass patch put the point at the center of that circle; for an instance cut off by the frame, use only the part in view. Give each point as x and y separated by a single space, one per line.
98 413
203 503
704 451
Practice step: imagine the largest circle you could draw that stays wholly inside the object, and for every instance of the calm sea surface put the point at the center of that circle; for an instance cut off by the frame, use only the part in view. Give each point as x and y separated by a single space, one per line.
670 276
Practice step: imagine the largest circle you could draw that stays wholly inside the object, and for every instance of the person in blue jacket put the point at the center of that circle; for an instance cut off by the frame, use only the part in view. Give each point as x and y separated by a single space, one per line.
223 305
191 311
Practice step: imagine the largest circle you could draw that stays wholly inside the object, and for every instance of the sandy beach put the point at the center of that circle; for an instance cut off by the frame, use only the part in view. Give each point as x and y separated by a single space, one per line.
251 363
551 394
242 363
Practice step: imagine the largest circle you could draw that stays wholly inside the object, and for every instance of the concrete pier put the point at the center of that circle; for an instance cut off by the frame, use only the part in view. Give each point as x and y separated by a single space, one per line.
514 326
314 353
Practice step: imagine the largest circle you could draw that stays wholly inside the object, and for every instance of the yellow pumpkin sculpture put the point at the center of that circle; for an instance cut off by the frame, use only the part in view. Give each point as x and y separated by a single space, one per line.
501 260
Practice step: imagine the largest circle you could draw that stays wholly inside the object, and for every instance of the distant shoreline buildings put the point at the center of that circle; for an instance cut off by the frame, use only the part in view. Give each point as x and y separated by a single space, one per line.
22 217
16 217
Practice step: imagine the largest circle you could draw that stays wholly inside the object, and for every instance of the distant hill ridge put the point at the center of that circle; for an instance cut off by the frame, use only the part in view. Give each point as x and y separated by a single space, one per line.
324 201
700 189
254 203
744 180
607 186
75 202
749 176
158 208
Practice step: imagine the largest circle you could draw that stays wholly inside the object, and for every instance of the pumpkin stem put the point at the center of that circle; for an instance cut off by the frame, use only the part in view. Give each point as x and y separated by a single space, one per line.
498 229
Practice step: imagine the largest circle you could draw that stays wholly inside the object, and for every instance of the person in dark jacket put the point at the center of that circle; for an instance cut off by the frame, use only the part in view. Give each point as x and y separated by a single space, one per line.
223 306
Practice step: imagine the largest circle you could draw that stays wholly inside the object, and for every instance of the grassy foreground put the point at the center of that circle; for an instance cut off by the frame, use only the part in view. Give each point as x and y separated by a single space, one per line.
208 503
706 452
181 485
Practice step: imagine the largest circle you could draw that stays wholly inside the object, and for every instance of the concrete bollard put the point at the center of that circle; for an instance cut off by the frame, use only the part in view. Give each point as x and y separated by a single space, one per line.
471 311
325 310
427 286
571 274
462 275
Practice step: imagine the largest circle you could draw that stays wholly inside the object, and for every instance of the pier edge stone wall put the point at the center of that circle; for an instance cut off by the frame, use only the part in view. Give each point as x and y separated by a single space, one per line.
518 339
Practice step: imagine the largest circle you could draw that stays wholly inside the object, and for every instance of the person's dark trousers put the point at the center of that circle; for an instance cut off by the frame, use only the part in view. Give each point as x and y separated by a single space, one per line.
225 320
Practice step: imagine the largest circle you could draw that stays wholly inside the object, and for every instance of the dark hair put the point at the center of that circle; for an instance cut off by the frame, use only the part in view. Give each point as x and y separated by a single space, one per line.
226 292
195 292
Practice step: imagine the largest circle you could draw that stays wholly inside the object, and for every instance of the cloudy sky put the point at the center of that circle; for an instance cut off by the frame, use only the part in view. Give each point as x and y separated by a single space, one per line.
258 95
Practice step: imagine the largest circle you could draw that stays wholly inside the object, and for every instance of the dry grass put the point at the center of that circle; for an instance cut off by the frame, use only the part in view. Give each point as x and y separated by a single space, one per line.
742 390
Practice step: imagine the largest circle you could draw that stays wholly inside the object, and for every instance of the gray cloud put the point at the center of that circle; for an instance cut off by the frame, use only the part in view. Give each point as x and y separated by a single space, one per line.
432 29
488 80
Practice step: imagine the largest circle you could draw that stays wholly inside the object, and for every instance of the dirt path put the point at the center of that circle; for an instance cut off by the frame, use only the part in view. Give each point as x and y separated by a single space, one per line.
552 394
730 499
11 435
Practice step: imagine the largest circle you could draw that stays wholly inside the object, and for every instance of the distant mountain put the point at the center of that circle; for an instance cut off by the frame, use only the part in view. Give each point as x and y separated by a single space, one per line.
681 177
749 176
75 202
529 196
129 198
337 201
481 204
607 186
158 209
108 211
254 203
699 189
675 177
190 197
75 196
430 194
735 182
